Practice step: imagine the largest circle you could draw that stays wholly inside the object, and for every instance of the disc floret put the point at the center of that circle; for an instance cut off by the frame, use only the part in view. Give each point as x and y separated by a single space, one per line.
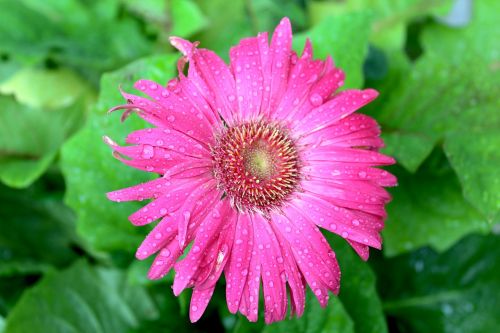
256 165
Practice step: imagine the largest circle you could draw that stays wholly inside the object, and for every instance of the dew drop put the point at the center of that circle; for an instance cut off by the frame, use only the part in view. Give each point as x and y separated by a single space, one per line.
333 226
355 222
165 252
316 99
147 152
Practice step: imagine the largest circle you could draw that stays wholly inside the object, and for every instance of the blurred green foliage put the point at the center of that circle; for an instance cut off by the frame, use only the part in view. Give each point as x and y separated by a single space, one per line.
66 253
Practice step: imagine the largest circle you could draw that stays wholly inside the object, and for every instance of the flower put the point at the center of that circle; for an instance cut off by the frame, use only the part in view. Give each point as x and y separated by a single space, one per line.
254 158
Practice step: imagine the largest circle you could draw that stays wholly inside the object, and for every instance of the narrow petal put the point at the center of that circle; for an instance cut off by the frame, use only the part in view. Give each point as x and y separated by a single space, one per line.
323 170
215 74
237 268
275 300
279 64
199 302
337 108
338 220
208 233
247 68
171 140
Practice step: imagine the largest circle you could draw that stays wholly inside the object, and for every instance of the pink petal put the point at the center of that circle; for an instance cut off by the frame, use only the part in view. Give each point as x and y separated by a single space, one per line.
171 140
165 260
237 268
275 299
293 276
148 190
362 250
215 74
175 196
249 305
199 302
199 200
247 68
338 220
320 276
347 190
207 233
173 111
162 234
279 64
325 170
348 155
338 107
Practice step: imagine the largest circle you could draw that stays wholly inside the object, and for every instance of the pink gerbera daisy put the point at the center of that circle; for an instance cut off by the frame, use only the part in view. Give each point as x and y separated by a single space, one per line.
254 158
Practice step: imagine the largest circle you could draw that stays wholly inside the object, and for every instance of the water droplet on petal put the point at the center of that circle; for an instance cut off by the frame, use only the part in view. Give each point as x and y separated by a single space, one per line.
316 99
147 152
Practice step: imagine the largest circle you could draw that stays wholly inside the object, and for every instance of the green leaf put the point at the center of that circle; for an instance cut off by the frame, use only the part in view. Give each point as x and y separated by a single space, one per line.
390 17
456 292
90 170
41 88
30 137
476 162
81 299
187 18
315 319
36 231
418 147
345 38
91 36
453 83
428 209
357 289
227 23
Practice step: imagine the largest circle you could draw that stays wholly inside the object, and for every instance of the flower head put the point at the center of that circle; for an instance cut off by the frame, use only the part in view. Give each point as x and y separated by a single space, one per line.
253 159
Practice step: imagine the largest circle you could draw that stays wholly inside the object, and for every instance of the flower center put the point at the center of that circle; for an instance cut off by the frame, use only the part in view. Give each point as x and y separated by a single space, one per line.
256 165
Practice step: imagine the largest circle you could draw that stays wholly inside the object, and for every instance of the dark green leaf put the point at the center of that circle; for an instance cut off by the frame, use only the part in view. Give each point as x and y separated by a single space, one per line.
455 292
36 231
81 299
357 289
428 209
333 318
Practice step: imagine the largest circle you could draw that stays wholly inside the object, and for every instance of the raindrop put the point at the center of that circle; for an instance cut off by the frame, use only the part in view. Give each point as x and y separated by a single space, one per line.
147 152
316 99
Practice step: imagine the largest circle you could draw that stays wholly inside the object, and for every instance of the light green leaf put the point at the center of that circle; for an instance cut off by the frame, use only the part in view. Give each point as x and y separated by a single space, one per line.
227 23
428 209
91 171
81 299
345 38
418 148
474 154
30 137
186 17
454 292
41 88
390 17
315 319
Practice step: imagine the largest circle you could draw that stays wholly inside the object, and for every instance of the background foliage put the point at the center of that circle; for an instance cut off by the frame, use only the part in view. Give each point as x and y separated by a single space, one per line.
66 253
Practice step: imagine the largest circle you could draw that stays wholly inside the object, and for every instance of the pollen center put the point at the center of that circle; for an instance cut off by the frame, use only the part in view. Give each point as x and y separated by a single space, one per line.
256 165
